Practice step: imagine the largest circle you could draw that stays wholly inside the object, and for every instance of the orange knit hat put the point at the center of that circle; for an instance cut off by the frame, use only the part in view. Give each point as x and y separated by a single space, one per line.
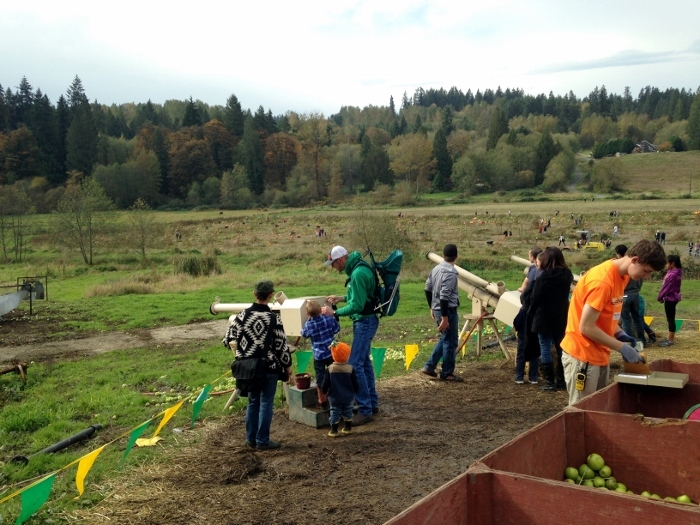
340 352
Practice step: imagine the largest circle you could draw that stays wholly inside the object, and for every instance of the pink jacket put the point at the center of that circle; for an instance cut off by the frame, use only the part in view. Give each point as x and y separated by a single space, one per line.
671 287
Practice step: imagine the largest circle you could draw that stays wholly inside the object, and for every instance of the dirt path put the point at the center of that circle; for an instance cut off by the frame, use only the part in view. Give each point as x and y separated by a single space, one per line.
210 330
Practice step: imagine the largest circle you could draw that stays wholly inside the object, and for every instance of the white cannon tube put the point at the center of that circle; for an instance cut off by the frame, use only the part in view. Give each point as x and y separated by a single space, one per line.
526 262
495 289
484 294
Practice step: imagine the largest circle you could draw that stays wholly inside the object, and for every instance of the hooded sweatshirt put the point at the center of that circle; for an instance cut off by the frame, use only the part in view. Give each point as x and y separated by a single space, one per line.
671 287
549 302
361 286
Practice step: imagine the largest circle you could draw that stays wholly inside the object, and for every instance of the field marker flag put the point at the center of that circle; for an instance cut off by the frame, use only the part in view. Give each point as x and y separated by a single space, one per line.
197 405
378 360
411 353
132 439
648 319
34 497
170 412
679 323
84 467
303 359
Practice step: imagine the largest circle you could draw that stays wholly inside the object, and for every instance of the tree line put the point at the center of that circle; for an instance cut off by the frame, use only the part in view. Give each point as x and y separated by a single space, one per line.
189 154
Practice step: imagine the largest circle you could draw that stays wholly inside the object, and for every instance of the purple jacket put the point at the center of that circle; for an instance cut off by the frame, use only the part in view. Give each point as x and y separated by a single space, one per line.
671 287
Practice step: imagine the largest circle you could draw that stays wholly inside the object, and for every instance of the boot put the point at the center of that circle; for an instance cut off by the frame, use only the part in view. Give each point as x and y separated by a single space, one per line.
347 429
548 372
334 431
560 380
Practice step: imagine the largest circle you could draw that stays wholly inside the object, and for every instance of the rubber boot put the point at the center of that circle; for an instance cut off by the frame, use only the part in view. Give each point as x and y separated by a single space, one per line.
560 380
334 431
347 429
549 386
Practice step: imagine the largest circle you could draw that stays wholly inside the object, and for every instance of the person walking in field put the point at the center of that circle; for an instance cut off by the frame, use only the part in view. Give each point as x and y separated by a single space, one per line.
592 328
670 296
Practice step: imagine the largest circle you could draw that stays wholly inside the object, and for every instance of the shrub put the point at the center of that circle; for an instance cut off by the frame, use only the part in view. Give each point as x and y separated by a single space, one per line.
197 265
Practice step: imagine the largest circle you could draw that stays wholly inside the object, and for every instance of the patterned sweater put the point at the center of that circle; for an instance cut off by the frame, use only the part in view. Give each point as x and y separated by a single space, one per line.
249 330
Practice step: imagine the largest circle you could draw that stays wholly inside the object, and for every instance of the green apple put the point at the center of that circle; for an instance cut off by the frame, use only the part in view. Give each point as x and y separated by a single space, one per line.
598 482
605 472
622 486
595 461
586 472
684 499
646 494
611 483
571 473
588 483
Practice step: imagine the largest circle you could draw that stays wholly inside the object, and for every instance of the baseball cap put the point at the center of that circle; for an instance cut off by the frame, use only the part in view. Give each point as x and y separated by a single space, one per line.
336 253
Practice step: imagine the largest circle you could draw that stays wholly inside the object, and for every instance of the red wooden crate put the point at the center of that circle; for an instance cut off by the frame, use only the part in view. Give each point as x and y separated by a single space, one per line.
668 365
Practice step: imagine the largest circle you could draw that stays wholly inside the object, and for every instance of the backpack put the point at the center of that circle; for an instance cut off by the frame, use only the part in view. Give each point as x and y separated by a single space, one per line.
386 276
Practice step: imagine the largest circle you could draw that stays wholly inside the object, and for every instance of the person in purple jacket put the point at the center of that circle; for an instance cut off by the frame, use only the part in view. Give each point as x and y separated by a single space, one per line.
670 295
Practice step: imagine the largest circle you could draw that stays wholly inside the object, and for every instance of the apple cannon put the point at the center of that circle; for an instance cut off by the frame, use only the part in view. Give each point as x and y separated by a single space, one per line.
490 302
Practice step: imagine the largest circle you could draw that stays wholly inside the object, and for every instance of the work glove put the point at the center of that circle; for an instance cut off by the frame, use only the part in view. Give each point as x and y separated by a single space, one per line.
630 355
622 336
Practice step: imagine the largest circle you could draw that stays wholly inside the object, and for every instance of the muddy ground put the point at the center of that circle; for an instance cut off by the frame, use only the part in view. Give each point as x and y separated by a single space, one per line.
427 433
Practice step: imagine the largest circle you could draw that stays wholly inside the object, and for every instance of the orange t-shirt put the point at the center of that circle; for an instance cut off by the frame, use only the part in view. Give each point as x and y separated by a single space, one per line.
602 288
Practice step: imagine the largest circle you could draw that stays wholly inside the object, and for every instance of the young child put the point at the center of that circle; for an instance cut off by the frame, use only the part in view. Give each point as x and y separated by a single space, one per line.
321 329
670 295
340 383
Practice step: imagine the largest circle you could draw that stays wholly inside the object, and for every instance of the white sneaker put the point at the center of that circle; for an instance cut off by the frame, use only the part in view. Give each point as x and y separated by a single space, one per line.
519 382
533 382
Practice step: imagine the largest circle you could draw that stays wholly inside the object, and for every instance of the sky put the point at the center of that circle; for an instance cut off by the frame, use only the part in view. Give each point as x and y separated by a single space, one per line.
320 55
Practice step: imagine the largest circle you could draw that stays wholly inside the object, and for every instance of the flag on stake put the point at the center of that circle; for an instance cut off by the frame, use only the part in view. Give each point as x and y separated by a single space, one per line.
84 467
378 360
197 405
166 417
679 323
34 497
648 319
303 359
132 439
411 353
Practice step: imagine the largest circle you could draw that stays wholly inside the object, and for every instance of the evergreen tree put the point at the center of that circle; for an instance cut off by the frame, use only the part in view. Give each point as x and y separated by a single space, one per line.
447 116
44 127
76 95
443 177
497 128
63 123
81 141
23 102
3 112
252 154
546 151
192 116
693 127
375 167
392 107
405 101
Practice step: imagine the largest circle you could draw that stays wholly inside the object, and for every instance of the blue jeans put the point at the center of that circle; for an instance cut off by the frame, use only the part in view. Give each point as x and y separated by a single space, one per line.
520 361
338 411
258 417
546 341
446 347
632 321
363 331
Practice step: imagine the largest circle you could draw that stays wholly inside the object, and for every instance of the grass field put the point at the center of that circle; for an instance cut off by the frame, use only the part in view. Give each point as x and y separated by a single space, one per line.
120 292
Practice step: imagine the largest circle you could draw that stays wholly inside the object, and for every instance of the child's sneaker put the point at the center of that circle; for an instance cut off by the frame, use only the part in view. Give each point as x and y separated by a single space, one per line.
334 431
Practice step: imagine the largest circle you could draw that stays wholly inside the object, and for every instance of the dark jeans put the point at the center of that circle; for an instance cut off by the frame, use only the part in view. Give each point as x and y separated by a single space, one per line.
258 416
446 348
320 367
363 331
632 321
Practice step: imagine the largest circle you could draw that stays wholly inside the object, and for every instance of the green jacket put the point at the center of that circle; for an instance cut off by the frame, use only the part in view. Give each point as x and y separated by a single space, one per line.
361 287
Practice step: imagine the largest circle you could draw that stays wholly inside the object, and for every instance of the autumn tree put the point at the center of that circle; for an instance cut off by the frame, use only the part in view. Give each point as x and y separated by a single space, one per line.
81 218
314 138
281 155
412 160
235 193
144 231
15 205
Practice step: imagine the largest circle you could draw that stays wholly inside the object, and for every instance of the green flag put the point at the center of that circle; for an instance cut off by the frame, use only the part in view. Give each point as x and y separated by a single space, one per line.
378 360
197 405
303 359
34 497
135 434
679 323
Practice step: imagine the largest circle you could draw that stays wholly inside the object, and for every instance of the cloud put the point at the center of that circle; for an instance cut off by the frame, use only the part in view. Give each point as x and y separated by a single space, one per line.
625 59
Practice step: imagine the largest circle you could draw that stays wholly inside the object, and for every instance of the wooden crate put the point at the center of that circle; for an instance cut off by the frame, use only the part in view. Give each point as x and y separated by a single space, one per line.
668 365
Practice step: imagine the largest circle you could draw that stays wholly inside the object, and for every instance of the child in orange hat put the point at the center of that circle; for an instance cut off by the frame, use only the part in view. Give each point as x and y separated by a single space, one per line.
340 383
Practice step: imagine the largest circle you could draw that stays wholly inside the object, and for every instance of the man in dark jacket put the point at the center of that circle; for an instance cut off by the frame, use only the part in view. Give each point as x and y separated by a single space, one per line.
361 305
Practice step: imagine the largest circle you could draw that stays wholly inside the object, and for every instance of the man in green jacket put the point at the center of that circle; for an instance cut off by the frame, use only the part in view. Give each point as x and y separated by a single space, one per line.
361 305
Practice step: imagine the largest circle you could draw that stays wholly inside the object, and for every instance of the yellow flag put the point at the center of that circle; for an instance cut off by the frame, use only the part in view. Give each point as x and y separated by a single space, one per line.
166 417
648 319
411 353
84 467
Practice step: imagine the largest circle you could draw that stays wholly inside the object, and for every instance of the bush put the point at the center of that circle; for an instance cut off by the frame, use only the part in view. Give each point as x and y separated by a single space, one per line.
197 265
610 147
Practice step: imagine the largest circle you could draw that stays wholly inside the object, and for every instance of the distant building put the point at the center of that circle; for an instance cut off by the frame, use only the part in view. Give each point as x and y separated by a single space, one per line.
644 147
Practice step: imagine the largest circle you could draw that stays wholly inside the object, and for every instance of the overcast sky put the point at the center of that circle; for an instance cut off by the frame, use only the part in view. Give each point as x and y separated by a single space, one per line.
319 55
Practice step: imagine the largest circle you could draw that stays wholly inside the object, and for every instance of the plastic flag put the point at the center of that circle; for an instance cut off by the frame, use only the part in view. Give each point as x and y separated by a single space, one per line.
197 405
303 359
648 319
167 415
135 434
679 323
34 497
411 353
84 467
378 360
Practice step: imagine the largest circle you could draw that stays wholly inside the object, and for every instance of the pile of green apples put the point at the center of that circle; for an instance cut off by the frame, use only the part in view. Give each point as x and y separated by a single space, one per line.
595 473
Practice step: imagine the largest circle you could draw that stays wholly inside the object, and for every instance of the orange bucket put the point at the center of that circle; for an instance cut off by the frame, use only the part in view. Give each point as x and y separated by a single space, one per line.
303 381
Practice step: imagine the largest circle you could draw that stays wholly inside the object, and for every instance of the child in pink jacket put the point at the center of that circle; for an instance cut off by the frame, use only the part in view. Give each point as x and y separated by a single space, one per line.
670 295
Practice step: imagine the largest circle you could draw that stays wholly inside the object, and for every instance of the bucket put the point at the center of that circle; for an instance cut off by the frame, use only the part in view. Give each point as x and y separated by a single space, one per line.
303 381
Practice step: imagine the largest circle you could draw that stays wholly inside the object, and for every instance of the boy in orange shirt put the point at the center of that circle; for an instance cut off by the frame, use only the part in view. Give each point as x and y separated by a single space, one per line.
594 313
